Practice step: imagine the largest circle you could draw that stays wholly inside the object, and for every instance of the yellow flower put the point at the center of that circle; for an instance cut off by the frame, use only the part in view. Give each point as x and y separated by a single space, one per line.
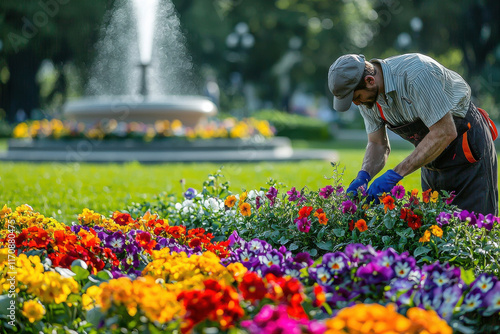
243 197
5 211
90 297
33 310
436 230
434 196
245 209
230 201
426 237
237 270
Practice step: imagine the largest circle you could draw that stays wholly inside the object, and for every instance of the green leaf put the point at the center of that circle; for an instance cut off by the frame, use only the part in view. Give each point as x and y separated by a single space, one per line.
80 273
467 276
421 250
313 252
293 247
339 232
283 240
325 245
386 240
389 222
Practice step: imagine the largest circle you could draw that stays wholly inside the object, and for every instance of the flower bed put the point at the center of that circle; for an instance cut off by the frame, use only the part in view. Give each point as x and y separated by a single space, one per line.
209 263
110 129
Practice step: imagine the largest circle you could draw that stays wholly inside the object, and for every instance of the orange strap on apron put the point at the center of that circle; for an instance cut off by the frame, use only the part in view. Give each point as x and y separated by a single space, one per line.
466 148
493 128
381 112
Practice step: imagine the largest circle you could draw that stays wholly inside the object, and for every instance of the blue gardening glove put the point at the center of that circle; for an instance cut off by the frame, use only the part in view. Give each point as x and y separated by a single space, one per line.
383 184
360 181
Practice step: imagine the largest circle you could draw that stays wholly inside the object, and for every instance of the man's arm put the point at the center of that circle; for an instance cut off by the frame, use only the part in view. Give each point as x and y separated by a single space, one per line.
440 135
377 151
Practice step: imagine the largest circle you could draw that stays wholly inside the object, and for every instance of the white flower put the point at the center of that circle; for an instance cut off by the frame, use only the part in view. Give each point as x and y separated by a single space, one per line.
213 204
269 259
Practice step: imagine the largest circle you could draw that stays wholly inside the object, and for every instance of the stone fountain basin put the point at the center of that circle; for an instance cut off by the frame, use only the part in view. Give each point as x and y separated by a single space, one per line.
190 110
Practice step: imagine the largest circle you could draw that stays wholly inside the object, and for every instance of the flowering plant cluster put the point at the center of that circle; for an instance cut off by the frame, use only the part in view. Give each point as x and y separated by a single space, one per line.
143 274
108 129
427 225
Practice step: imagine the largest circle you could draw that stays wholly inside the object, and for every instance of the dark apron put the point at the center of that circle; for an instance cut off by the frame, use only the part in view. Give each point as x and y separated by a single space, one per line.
468 166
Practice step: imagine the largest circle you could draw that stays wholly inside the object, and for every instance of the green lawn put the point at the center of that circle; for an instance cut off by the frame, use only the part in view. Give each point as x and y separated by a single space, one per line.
63 190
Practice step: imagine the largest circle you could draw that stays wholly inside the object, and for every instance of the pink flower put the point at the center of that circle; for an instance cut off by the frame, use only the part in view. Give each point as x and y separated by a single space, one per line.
303 224
398 192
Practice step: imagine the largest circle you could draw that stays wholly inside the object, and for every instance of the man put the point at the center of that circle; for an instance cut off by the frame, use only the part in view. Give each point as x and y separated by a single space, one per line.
430 106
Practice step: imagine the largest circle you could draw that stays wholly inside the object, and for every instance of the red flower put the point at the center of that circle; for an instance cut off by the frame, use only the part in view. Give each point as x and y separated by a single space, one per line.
122 218
351 225
215 303
305 211
176 231
144 240
195 242
252 287
320 297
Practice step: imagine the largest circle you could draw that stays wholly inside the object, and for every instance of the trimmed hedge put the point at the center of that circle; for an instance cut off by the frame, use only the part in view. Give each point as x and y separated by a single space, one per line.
295 126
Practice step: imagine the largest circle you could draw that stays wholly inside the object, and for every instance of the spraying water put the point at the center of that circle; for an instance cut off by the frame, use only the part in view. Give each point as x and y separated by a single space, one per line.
143 32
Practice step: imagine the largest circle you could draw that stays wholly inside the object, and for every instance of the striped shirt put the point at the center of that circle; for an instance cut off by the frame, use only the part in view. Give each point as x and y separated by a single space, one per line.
417 86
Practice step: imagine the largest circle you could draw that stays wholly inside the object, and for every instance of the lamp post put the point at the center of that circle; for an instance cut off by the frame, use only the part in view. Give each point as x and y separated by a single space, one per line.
239 42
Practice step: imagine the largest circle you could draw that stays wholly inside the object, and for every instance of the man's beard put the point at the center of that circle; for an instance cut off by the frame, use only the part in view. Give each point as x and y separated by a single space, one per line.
372 97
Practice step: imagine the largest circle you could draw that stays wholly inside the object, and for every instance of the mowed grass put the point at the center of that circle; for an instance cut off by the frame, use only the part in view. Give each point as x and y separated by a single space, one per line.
62 191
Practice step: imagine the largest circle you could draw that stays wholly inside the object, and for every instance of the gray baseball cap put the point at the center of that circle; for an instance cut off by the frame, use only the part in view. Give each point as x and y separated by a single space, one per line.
343 76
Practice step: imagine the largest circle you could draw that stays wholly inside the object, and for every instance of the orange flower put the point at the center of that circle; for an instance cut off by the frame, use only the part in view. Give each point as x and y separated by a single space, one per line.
361 225
388 203
414 192
245 209
426 237
436 230
322 219
230 201
426 195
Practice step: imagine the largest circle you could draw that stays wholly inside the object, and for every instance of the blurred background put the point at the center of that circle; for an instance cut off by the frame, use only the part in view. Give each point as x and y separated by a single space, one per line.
249 57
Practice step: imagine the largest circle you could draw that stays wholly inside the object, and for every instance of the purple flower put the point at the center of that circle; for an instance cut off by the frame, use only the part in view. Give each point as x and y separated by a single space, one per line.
190 193
303 224
326 191
335 262
131 259
492 300
271 194
374 273
467 216
293 195
443 218
359 252
303 258
234 238
486 222
404 266
115 241
349 207
473 300
398 191
484 283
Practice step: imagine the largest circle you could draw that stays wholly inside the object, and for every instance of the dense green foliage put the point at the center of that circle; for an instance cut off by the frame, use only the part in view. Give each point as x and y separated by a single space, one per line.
295 126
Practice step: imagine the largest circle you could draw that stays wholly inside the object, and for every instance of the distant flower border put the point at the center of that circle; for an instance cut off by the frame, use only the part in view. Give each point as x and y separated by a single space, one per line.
113 129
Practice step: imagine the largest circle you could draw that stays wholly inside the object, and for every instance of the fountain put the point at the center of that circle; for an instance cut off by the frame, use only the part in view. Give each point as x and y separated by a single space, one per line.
142 71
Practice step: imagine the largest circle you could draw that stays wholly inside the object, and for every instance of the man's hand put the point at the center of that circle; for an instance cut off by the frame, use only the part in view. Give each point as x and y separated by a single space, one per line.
360 181
383 184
